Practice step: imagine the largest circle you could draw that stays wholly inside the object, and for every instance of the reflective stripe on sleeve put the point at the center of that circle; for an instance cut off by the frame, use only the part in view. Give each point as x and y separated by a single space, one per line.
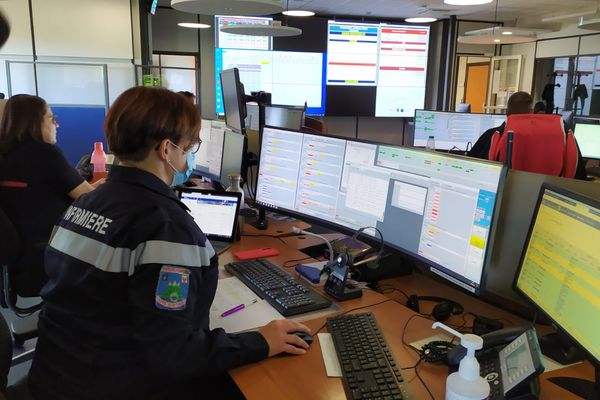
119 259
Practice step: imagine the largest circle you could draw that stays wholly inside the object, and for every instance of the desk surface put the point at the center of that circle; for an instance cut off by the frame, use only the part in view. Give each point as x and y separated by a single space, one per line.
304 377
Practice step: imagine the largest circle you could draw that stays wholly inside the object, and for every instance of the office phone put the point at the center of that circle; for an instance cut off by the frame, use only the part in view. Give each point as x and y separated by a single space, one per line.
510 360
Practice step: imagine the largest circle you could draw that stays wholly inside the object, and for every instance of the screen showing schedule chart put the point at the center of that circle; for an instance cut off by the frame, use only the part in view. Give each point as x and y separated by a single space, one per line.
393 58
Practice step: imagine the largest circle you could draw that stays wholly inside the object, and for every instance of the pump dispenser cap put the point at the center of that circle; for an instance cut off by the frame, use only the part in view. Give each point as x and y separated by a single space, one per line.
469 366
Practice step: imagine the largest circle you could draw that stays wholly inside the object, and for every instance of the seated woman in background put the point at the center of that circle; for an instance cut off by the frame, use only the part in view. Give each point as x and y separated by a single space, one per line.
37 184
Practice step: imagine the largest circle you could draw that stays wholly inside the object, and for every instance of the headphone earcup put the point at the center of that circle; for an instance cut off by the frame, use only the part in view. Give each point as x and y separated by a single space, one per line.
442 311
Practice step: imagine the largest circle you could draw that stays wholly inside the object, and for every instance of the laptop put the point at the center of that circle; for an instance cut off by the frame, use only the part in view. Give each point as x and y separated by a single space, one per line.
215 213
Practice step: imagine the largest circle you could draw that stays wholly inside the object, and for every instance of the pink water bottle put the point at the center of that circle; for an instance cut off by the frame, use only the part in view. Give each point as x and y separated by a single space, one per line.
99 162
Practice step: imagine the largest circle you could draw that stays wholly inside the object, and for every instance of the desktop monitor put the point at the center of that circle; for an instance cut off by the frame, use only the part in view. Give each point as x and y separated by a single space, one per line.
559 273
252 120
153 5
234 100
435 207
452 130
587 134
288 117
210 155
234 157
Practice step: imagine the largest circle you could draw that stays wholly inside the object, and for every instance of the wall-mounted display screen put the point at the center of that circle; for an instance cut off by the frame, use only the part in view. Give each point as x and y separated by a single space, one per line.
292 78
336 68
391 58
230 41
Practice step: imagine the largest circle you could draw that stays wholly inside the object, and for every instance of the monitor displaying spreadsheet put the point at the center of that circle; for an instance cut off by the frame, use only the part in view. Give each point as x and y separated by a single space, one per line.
452 130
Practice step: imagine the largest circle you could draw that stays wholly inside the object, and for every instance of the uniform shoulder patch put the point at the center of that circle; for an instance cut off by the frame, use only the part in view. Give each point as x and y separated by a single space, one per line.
172 288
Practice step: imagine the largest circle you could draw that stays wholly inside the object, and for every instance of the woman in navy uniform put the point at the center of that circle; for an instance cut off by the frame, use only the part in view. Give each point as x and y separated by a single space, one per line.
37 184
132 277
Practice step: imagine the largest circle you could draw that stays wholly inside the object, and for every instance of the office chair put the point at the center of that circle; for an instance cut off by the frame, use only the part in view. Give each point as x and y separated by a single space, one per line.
19 390
463 108
85 168
24 328
314 125
539 145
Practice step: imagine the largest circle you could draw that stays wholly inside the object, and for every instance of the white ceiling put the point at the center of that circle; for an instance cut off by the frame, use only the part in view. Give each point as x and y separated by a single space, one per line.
508 10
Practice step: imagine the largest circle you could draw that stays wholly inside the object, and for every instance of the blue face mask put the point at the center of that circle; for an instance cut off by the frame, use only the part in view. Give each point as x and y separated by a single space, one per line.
181 177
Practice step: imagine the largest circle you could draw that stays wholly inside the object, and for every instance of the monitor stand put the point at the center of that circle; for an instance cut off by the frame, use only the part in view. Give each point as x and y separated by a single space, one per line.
261 222
585 389
560 348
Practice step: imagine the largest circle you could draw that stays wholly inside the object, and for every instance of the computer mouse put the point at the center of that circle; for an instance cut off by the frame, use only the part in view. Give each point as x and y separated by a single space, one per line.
304 336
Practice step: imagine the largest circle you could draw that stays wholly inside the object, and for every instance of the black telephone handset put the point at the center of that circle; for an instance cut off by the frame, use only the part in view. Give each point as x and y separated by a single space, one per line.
491 341
510 360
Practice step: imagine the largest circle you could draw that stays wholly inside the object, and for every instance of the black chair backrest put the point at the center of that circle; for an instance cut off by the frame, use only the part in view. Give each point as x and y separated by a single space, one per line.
6 353
10 243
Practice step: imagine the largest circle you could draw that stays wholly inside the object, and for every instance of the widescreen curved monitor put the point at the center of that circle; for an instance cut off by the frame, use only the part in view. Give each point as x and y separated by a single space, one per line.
436 207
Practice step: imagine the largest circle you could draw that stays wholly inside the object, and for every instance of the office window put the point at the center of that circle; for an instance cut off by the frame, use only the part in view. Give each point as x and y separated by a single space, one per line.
177 72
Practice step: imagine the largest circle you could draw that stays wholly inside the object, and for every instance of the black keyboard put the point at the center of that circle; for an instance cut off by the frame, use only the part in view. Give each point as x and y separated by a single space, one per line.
285 293
368 366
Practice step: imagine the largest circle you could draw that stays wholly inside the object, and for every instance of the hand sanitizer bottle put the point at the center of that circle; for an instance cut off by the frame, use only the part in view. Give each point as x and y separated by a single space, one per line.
466 384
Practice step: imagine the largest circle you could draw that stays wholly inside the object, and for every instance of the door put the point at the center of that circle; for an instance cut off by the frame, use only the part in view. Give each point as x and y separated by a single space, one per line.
476 86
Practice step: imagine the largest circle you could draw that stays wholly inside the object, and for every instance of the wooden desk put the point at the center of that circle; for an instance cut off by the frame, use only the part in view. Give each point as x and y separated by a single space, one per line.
275 228
304 377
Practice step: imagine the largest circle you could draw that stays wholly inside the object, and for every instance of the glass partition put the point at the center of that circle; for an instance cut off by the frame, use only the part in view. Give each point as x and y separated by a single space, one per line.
171 71
568 84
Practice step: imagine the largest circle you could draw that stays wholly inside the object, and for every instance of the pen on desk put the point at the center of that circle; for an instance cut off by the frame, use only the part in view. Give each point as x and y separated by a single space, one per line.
238 308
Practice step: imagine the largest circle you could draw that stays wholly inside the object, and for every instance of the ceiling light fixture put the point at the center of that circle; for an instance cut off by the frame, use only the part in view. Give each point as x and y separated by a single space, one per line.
298 13
500 34
420 20
274 29
193 25
228 7
567 16
590 24
467 2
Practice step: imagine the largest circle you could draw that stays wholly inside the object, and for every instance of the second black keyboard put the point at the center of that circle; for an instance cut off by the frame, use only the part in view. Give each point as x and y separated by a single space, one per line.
281 290
368 367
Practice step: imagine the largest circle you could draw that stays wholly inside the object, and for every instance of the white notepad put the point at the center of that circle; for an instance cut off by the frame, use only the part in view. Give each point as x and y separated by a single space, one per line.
231 292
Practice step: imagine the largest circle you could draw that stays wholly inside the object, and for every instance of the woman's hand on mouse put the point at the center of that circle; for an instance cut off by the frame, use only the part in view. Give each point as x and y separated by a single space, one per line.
278 337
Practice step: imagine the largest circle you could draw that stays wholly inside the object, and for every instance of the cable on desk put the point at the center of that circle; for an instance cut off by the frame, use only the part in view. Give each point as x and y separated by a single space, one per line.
350 310
269 236
421 379
391 289
285 264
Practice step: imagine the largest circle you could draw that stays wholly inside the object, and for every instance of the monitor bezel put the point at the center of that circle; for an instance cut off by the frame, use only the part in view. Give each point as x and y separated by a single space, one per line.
241 100
577 197
205 174
585 121
373 241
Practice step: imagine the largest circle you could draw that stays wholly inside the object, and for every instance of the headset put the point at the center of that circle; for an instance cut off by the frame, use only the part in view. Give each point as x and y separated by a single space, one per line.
346 258
441 311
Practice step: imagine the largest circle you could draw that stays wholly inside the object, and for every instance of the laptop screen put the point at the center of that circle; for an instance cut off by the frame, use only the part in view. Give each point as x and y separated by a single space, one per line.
215 213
